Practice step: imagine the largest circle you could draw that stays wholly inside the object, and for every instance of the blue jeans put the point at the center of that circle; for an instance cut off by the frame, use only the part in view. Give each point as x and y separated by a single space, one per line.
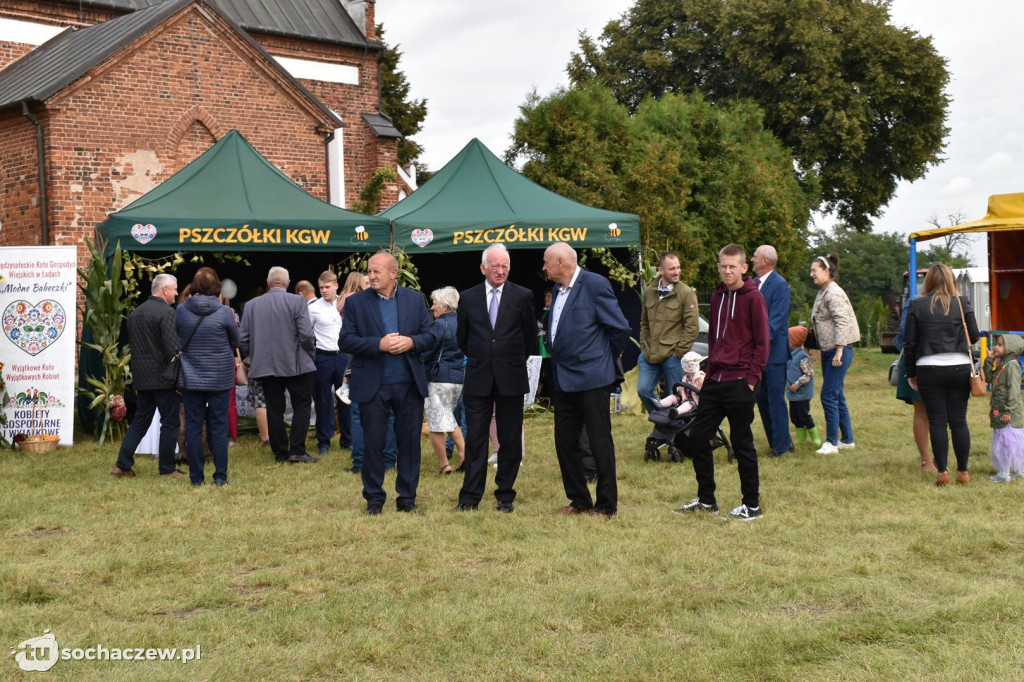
648 376
358 441
211 408
833 399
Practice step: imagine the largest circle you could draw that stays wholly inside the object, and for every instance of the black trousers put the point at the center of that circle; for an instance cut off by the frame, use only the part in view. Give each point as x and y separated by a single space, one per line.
167 401
946 392
732 400
574 412
300 390
508 416
800 414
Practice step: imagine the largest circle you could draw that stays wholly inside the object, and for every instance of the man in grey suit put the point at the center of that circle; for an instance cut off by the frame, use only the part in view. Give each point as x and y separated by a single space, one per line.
277 337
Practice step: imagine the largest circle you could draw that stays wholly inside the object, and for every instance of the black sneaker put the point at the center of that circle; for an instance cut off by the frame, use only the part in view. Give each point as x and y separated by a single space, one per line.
410 509
465 507
372 510
696 506
505 507
745 513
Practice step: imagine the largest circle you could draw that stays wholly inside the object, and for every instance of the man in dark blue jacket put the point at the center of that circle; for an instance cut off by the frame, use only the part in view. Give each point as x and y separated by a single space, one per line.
586 332
387 332
153 341
771 398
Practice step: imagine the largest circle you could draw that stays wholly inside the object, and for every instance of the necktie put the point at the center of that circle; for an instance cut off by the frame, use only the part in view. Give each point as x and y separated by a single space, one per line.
492 311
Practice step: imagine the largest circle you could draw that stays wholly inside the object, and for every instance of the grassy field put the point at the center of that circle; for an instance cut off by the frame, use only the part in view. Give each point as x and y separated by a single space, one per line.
860 570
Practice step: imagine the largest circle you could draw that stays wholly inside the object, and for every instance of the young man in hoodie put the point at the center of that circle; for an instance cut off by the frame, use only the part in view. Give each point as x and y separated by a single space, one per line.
738 345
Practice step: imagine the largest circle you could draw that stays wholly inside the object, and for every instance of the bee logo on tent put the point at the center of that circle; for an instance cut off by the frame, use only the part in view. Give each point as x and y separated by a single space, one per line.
361 234
614 233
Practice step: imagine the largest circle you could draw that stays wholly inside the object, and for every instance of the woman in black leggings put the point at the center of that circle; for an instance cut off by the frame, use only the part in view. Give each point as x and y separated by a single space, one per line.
938 360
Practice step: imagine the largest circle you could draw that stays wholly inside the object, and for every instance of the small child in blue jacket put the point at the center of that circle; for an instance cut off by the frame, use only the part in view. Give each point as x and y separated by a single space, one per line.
800 388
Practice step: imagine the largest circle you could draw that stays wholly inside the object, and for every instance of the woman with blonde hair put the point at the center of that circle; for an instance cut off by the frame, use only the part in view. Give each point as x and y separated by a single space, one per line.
939 363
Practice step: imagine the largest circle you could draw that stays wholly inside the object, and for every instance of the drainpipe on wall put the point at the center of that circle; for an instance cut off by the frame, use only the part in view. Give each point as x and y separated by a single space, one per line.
40 155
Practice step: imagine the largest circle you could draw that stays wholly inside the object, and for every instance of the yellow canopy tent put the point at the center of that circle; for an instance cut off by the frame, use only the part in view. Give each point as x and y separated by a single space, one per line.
1004 223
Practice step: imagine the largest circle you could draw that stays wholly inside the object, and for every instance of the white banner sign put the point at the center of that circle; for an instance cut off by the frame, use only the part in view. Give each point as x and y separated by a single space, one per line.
37 307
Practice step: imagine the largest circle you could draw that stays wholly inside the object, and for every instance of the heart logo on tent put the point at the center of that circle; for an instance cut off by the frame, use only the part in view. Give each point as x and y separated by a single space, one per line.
143 234
34 327
422 237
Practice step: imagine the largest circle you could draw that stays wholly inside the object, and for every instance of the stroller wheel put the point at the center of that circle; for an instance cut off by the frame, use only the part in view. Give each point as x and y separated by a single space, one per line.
651 451
675 454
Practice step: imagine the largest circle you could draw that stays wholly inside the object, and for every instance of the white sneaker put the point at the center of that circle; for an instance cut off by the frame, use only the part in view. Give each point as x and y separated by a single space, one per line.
827 449
845 446
342 394
493 459
745 513
1000 478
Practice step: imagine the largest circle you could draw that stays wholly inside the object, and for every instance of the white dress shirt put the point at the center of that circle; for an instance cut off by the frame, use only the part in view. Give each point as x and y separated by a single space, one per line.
556 308
326 324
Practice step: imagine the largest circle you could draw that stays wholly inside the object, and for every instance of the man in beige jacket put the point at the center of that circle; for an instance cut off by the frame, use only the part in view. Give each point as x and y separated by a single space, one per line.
668 328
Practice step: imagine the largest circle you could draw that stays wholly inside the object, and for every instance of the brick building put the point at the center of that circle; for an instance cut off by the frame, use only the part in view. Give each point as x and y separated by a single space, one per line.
101 100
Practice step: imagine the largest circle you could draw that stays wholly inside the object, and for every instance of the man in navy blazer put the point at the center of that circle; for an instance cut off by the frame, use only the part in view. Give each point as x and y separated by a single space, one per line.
771 399
496 377
586 333
387 332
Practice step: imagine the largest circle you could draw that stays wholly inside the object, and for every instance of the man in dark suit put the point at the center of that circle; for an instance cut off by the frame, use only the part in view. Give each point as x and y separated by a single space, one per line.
277 337
497 331
387 332
771 399
586 333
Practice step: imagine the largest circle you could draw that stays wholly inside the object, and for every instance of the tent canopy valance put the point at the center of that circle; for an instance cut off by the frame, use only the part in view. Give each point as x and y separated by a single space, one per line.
232 199
1005 212
477 200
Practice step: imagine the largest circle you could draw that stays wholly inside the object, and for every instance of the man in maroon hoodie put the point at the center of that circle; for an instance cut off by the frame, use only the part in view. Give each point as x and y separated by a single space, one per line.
738 345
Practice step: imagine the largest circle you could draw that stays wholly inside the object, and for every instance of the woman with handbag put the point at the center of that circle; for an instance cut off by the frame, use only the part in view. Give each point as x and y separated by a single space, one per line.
445 374
940 332
207 373
835 327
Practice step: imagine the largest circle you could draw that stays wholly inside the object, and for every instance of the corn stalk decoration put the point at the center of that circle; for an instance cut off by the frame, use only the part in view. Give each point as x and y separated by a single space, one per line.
106 307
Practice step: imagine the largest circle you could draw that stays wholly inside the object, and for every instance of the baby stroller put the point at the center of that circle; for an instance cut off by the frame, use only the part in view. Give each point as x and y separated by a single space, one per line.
668 425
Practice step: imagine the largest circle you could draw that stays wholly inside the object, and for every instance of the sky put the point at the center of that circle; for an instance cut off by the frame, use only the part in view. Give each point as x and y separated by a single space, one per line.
476 62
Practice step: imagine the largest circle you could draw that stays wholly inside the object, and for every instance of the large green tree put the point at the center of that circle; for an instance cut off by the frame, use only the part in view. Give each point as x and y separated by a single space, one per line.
699 176
407 114
859 101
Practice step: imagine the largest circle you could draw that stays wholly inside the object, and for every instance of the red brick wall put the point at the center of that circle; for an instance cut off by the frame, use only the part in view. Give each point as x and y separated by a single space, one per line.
363 148
10 52
19 183
145 115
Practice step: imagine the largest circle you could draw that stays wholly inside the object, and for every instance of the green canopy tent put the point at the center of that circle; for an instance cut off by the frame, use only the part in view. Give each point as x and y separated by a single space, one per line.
476 200
232 199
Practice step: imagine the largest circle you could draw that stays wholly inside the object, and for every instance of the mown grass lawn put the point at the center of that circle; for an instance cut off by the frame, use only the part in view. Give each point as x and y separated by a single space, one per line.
860 570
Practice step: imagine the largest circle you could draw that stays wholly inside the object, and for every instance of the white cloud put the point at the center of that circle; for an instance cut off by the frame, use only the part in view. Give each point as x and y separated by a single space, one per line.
996 161
957 185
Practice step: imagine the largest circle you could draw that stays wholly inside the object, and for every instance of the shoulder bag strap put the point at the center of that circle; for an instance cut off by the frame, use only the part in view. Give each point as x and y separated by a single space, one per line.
967 334
440 350
192 334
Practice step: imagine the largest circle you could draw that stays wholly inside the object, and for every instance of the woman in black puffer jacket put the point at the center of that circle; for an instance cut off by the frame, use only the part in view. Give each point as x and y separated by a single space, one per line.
208 335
